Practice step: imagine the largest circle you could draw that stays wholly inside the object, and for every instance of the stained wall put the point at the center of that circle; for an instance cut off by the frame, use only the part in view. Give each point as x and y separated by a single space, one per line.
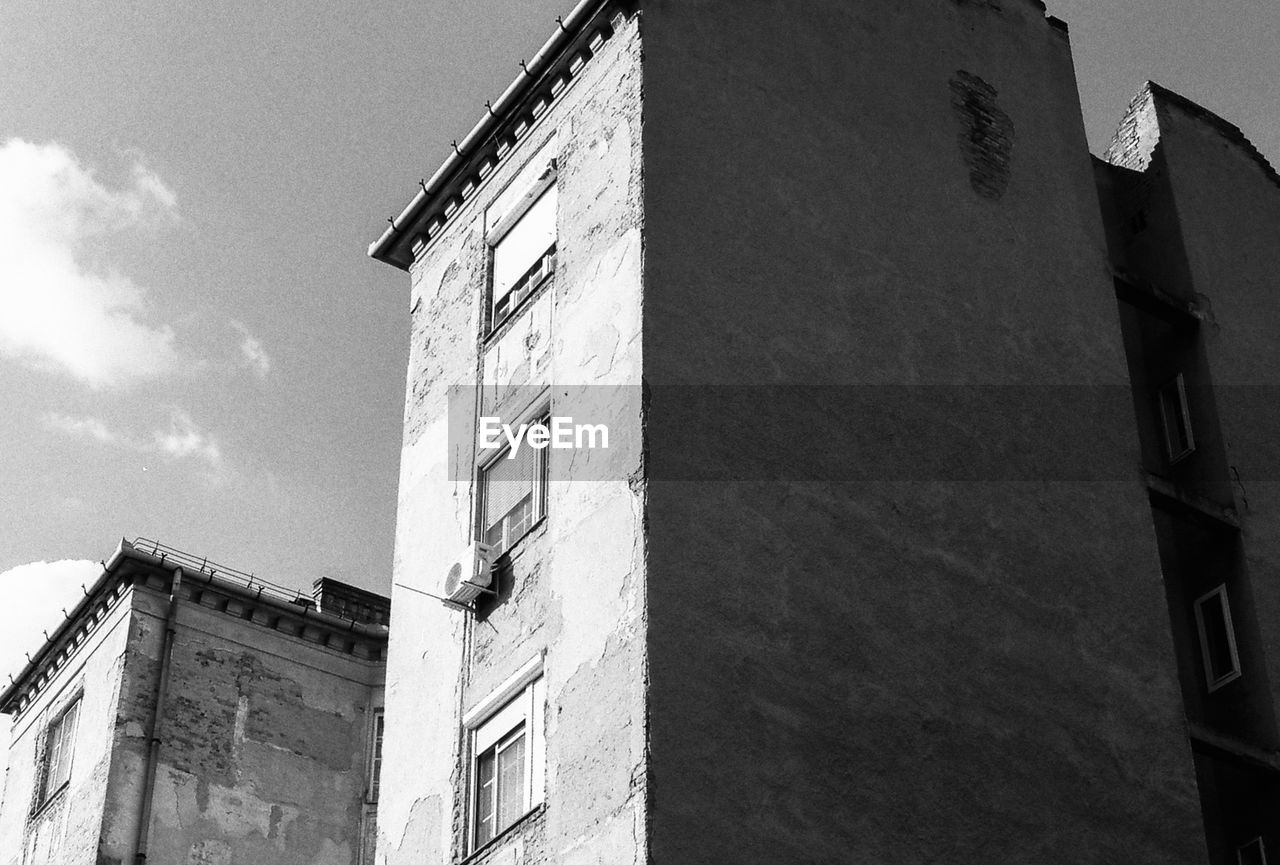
264 740
65 830
571 591
905 602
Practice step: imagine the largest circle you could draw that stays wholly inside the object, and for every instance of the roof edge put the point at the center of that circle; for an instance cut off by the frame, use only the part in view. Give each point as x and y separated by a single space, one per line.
1224 127
389 247
63 638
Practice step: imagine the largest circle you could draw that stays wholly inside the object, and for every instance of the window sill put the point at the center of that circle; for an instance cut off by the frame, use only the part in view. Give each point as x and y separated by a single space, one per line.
513 552
53 797
481 852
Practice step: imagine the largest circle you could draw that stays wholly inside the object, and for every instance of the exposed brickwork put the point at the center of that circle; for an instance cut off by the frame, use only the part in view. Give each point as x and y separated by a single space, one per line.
986 134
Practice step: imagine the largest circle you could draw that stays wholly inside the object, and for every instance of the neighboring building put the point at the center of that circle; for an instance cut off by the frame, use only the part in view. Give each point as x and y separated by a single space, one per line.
185 712
867 572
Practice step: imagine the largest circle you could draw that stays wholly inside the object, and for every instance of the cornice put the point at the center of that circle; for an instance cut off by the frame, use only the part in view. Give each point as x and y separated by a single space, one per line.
207 585
505 123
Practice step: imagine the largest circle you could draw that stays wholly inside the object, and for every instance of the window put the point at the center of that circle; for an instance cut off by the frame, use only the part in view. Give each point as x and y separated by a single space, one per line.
507 754
1252 853
512 495
55 761
524 248
1217 638
375 756
1178 439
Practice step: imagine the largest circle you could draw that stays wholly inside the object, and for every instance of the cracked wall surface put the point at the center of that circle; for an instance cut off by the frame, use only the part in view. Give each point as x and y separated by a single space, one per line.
572 590
263 755
892 665
65 831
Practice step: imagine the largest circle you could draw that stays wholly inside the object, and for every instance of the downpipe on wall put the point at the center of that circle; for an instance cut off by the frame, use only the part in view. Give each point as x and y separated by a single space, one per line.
157 716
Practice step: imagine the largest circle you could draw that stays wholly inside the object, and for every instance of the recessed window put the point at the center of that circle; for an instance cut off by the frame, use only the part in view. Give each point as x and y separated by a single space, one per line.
55 760
1174 414
375 755
508 756
1252 853
512 495
1217 638
524 252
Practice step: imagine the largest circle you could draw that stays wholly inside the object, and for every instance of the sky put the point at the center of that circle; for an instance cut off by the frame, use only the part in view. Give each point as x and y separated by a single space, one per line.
194 346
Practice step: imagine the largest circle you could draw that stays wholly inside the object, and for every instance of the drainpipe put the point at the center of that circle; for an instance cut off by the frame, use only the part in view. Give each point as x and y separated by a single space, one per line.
153 736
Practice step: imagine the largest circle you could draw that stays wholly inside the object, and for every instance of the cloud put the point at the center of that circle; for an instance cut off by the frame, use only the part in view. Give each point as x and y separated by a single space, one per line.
184 440
41 590
252 354
57 311
89 427
181 439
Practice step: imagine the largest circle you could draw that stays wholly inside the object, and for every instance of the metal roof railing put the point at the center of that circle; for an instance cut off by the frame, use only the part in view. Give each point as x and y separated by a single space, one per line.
202 565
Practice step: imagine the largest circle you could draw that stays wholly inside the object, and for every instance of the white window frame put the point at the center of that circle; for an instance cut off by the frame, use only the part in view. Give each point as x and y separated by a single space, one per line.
1255 842
1219 596
541 268
541 416
57 752
518 703
1173 407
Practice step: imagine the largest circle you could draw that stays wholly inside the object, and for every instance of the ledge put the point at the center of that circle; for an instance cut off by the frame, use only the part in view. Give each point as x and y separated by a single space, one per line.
1174 497
1148 298
1212 743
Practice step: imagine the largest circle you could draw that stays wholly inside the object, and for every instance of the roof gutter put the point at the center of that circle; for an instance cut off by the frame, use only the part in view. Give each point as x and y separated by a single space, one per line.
380 248
33 663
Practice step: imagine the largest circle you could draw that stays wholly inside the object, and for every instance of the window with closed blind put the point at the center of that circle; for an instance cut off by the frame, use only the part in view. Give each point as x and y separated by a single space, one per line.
512 495
520 230
525 256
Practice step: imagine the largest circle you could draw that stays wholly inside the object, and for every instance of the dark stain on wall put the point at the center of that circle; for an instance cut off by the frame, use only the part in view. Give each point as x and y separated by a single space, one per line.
986 134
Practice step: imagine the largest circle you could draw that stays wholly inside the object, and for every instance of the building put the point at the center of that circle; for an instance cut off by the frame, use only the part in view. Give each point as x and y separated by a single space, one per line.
936 521
185 712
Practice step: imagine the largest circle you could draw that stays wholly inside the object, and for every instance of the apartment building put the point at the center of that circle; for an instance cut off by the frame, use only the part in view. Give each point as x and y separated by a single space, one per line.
186 712
935 517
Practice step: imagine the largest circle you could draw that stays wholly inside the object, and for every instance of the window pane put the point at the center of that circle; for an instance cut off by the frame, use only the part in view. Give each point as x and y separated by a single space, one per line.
1216 636
522 246
52 760
1252 853
485 765
510 782
379 726
1177 428
509 486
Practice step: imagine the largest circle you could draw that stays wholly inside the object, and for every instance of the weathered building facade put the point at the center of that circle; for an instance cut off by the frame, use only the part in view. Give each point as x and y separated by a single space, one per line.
187 713
868 570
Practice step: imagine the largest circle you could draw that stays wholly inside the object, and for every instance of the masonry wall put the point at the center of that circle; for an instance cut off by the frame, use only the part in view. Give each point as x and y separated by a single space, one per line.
65 830
905 602
1227 201
264 740
1195 211
572 590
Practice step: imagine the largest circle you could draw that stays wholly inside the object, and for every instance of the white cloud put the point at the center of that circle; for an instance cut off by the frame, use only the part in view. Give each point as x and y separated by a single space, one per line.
185 440
41 590
252 354
85 426
56 309
182 439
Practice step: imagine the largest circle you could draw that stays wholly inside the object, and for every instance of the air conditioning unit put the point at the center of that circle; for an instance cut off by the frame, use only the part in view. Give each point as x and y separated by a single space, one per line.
470 575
